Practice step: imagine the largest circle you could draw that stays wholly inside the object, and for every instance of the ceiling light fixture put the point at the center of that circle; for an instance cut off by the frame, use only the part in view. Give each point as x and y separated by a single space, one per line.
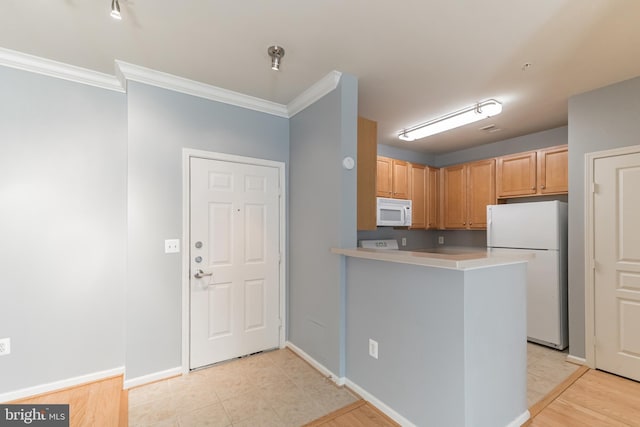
471 114
115 9
276 53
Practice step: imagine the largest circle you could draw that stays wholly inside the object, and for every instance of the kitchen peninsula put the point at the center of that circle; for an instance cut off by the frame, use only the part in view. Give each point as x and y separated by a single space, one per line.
450 332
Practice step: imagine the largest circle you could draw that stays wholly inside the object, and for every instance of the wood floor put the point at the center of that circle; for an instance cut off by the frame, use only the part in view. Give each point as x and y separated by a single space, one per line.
591 398
588 398
358 414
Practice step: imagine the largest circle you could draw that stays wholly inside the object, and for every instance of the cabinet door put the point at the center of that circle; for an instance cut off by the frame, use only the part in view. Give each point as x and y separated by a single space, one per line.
432 197
516 175
454 196
384 173
400 179
417 181
367 150
553 170
481 183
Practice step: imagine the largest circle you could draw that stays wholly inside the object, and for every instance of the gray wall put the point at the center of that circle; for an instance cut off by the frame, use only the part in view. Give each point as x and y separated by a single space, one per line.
161 123
406 155
323 215
533 141
599 120
446 357
63 214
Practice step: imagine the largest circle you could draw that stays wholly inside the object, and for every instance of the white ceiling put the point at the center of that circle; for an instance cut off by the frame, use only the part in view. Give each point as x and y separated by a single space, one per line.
415 59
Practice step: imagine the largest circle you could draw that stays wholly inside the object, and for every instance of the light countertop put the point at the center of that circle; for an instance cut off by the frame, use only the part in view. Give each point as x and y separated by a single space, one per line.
442 257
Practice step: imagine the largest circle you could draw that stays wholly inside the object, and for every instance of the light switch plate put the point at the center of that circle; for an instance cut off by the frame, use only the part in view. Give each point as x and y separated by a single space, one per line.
5 346
171 246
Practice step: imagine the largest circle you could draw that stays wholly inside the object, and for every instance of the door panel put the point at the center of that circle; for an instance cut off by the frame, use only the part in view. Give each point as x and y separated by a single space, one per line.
617 260
234 219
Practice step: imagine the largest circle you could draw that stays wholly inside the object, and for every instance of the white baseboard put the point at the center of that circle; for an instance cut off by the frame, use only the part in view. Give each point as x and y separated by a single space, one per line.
156 376
521 419
576 360
311 361
379 404
58 385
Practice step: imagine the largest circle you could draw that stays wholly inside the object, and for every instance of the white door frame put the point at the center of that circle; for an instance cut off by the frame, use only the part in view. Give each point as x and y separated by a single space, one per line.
589 247
187 154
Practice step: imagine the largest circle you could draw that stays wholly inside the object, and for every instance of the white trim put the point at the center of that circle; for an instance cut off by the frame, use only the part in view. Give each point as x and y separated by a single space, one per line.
576 360
150 378
47 67
318 366
126 71
379 404
59 385
520 419
589 248
187 153
314 93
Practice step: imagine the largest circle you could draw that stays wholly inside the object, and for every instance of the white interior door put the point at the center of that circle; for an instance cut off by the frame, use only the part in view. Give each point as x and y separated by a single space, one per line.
234 260
616 215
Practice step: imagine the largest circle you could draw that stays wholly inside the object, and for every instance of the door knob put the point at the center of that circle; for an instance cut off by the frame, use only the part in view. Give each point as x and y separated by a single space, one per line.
199 274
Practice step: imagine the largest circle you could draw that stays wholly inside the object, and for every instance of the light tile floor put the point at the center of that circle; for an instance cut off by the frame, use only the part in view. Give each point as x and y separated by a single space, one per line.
275 388
546 368
279 389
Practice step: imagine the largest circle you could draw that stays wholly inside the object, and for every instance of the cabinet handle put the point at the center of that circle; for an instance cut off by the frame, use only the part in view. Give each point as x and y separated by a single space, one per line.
533 188
542 186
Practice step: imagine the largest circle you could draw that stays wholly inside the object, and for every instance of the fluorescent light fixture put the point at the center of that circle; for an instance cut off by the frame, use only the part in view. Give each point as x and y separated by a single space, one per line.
480 111
115 9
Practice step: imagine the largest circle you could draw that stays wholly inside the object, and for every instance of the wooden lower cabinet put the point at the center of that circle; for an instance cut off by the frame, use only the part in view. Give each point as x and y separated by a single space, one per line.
467 190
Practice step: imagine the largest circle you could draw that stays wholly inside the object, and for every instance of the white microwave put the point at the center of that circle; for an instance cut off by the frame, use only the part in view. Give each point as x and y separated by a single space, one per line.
393 212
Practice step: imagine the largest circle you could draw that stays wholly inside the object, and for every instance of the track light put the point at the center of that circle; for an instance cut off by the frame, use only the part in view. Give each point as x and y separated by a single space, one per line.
115 9
471 114
276 53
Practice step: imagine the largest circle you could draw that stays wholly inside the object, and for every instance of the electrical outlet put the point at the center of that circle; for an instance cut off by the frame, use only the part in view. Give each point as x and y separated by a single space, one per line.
441 240
404 241
171 246
373 348
5 346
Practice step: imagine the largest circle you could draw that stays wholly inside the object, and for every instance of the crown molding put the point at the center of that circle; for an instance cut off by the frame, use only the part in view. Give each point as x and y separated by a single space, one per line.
60 70
126 71
314 93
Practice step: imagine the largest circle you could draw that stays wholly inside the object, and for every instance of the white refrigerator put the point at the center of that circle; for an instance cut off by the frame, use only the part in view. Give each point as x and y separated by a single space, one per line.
537 231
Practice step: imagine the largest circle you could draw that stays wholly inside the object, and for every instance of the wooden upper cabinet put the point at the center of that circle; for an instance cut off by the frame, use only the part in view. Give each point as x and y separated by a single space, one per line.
467 190
481 184
432 198
454 196
384 177
516 174
553 170
417 185
392 178
533 173
400 179
366 173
